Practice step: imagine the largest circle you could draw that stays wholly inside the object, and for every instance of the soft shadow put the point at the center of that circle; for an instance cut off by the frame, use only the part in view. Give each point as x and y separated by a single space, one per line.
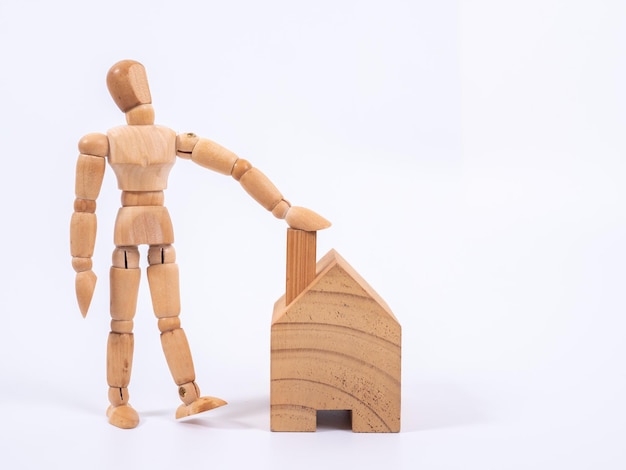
250 413
156 413
429 406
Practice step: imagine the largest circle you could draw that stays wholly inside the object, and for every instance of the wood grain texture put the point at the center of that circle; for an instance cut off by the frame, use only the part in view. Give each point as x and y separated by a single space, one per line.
260 188
141 115
124 288
89 176
164 289
128 84
213 156
95 144
337 346
83 228
142 198
302 218
143 225
178 356
142 156
301 261
120 348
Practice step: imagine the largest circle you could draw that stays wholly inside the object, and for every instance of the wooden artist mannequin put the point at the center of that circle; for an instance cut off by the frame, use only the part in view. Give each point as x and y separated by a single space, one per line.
141 155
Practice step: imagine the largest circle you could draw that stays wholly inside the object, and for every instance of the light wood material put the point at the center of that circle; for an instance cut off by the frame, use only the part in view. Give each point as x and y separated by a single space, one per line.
240 168
142 198
178 355
161 254
141 155
200 405
89 175
83 227
118 396
84 205
119 359
280 210
301 259
126 257
337 346
82 264
124 289
85 285
95 144
260 188
122 326
128 84
164 289
123 416
213 156
188 392
185 144
305 219
142 115
168 324
143 225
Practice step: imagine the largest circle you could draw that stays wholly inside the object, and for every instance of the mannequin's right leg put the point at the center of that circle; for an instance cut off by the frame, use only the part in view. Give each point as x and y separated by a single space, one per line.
124 282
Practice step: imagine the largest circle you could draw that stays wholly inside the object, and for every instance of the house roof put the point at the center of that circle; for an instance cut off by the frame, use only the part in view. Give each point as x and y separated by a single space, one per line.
336 286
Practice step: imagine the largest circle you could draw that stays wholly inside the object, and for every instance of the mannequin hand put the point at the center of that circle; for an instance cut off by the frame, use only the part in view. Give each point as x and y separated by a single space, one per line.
305 219
85 285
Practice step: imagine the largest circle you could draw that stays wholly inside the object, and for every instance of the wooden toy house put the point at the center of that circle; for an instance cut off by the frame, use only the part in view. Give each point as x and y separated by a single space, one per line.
335 345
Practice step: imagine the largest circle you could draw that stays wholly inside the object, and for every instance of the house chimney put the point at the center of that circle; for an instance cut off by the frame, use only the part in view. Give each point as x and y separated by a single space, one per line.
301 261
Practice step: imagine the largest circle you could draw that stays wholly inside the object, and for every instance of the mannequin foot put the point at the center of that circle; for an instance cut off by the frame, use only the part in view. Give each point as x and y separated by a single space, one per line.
123 416
199 405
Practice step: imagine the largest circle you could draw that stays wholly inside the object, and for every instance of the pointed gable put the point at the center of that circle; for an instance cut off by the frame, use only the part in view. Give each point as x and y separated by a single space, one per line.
340 296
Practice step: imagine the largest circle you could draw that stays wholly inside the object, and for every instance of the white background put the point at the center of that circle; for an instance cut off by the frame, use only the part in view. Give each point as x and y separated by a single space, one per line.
469 154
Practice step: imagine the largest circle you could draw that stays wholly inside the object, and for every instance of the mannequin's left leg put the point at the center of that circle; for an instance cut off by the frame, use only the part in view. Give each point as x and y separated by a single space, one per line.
165 292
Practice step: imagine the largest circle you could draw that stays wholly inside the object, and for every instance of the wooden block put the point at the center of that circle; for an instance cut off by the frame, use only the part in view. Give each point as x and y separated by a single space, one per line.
293 418
301 258
337 346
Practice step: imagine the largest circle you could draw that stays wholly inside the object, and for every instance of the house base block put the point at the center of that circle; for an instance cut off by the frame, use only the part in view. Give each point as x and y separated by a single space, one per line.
335 346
